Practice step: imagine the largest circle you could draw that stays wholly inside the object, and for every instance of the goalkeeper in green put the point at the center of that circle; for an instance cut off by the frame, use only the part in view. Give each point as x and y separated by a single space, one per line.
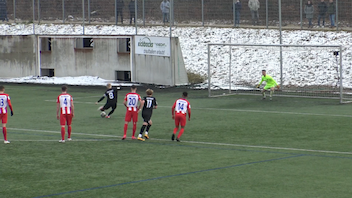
270 84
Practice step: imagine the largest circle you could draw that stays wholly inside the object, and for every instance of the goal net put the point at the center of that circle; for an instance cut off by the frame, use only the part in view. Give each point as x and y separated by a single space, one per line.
314 71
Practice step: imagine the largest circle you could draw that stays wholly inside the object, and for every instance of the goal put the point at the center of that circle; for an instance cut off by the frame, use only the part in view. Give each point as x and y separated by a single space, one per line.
314 71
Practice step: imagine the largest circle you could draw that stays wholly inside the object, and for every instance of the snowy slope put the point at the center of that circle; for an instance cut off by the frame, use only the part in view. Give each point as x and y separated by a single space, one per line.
310 66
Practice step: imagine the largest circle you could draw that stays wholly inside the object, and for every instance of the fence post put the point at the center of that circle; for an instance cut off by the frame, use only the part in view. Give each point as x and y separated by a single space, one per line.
88 11
14 11
203 13
267 14
234 13
63 11
301 12
83 15
38 12
337 15
135 15
172 12
170 19
33 16
115 12
143 13
280 24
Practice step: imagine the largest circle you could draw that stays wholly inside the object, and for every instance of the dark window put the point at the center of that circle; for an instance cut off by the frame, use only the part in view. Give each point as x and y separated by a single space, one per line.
47 72
45 44
123 76
84 43
124 45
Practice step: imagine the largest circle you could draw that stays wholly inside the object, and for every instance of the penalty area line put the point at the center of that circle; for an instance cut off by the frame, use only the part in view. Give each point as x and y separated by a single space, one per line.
204 143
241 110
75 140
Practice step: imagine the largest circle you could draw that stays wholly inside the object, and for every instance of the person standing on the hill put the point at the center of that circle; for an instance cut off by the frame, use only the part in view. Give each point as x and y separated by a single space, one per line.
4 102
323 8
132 9
3 11
270 84
165 9
119 8
238 7
111 95
254 5
309 11
331 12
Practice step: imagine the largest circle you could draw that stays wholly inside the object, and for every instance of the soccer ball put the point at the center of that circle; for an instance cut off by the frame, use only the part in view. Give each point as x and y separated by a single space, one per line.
103 114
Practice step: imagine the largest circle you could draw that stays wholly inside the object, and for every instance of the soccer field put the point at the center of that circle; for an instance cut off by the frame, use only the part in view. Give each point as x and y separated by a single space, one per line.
235 146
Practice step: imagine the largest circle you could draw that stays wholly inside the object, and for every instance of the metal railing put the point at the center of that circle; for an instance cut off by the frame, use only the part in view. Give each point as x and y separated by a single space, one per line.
182 13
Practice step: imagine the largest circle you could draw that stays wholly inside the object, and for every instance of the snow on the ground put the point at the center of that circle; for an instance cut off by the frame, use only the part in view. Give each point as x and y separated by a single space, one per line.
80 80
301 67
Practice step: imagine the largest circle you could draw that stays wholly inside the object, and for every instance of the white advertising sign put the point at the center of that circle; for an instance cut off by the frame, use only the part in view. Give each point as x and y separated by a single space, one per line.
155 46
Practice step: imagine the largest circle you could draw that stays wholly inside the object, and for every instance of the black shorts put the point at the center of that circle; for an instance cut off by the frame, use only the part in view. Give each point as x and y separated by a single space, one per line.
146 117
108 105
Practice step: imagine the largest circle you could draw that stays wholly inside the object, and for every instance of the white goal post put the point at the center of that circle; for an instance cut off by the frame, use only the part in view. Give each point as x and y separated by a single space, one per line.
314 71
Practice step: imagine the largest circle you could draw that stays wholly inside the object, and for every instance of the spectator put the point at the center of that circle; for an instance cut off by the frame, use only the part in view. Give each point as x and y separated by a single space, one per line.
119 8
238 7
309 11
323 8
165 9
331 12
3 11
254 6
131 7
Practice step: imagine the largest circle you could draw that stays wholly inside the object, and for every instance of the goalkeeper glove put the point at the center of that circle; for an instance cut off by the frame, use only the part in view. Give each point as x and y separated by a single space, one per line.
11 113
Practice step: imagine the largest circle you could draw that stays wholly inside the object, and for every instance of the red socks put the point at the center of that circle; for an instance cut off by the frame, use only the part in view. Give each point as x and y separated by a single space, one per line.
62 132
69 131
134 129
180 133
4 131
175 130
125 129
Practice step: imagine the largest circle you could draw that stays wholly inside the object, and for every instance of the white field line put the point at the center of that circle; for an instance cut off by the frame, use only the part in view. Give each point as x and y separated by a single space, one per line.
243 110
75 140
99 96
195 142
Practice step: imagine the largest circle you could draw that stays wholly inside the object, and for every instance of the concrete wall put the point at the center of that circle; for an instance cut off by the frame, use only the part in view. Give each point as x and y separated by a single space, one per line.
101 60
17 56
159 70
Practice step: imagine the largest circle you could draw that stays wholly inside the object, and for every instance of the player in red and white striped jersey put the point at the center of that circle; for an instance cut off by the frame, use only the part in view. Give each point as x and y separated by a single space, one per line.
4 102
131 102
65 112
180 109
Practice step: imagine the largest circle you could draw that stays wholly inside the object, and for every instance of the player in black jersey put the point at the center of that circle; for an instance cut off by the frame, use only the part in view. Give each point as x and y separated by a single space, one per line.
149 103
111 101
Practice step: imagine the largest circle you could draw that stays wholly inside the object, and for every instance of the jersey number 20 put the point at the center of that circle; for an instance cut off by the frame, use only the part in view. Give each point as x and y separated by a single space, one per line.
132 101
